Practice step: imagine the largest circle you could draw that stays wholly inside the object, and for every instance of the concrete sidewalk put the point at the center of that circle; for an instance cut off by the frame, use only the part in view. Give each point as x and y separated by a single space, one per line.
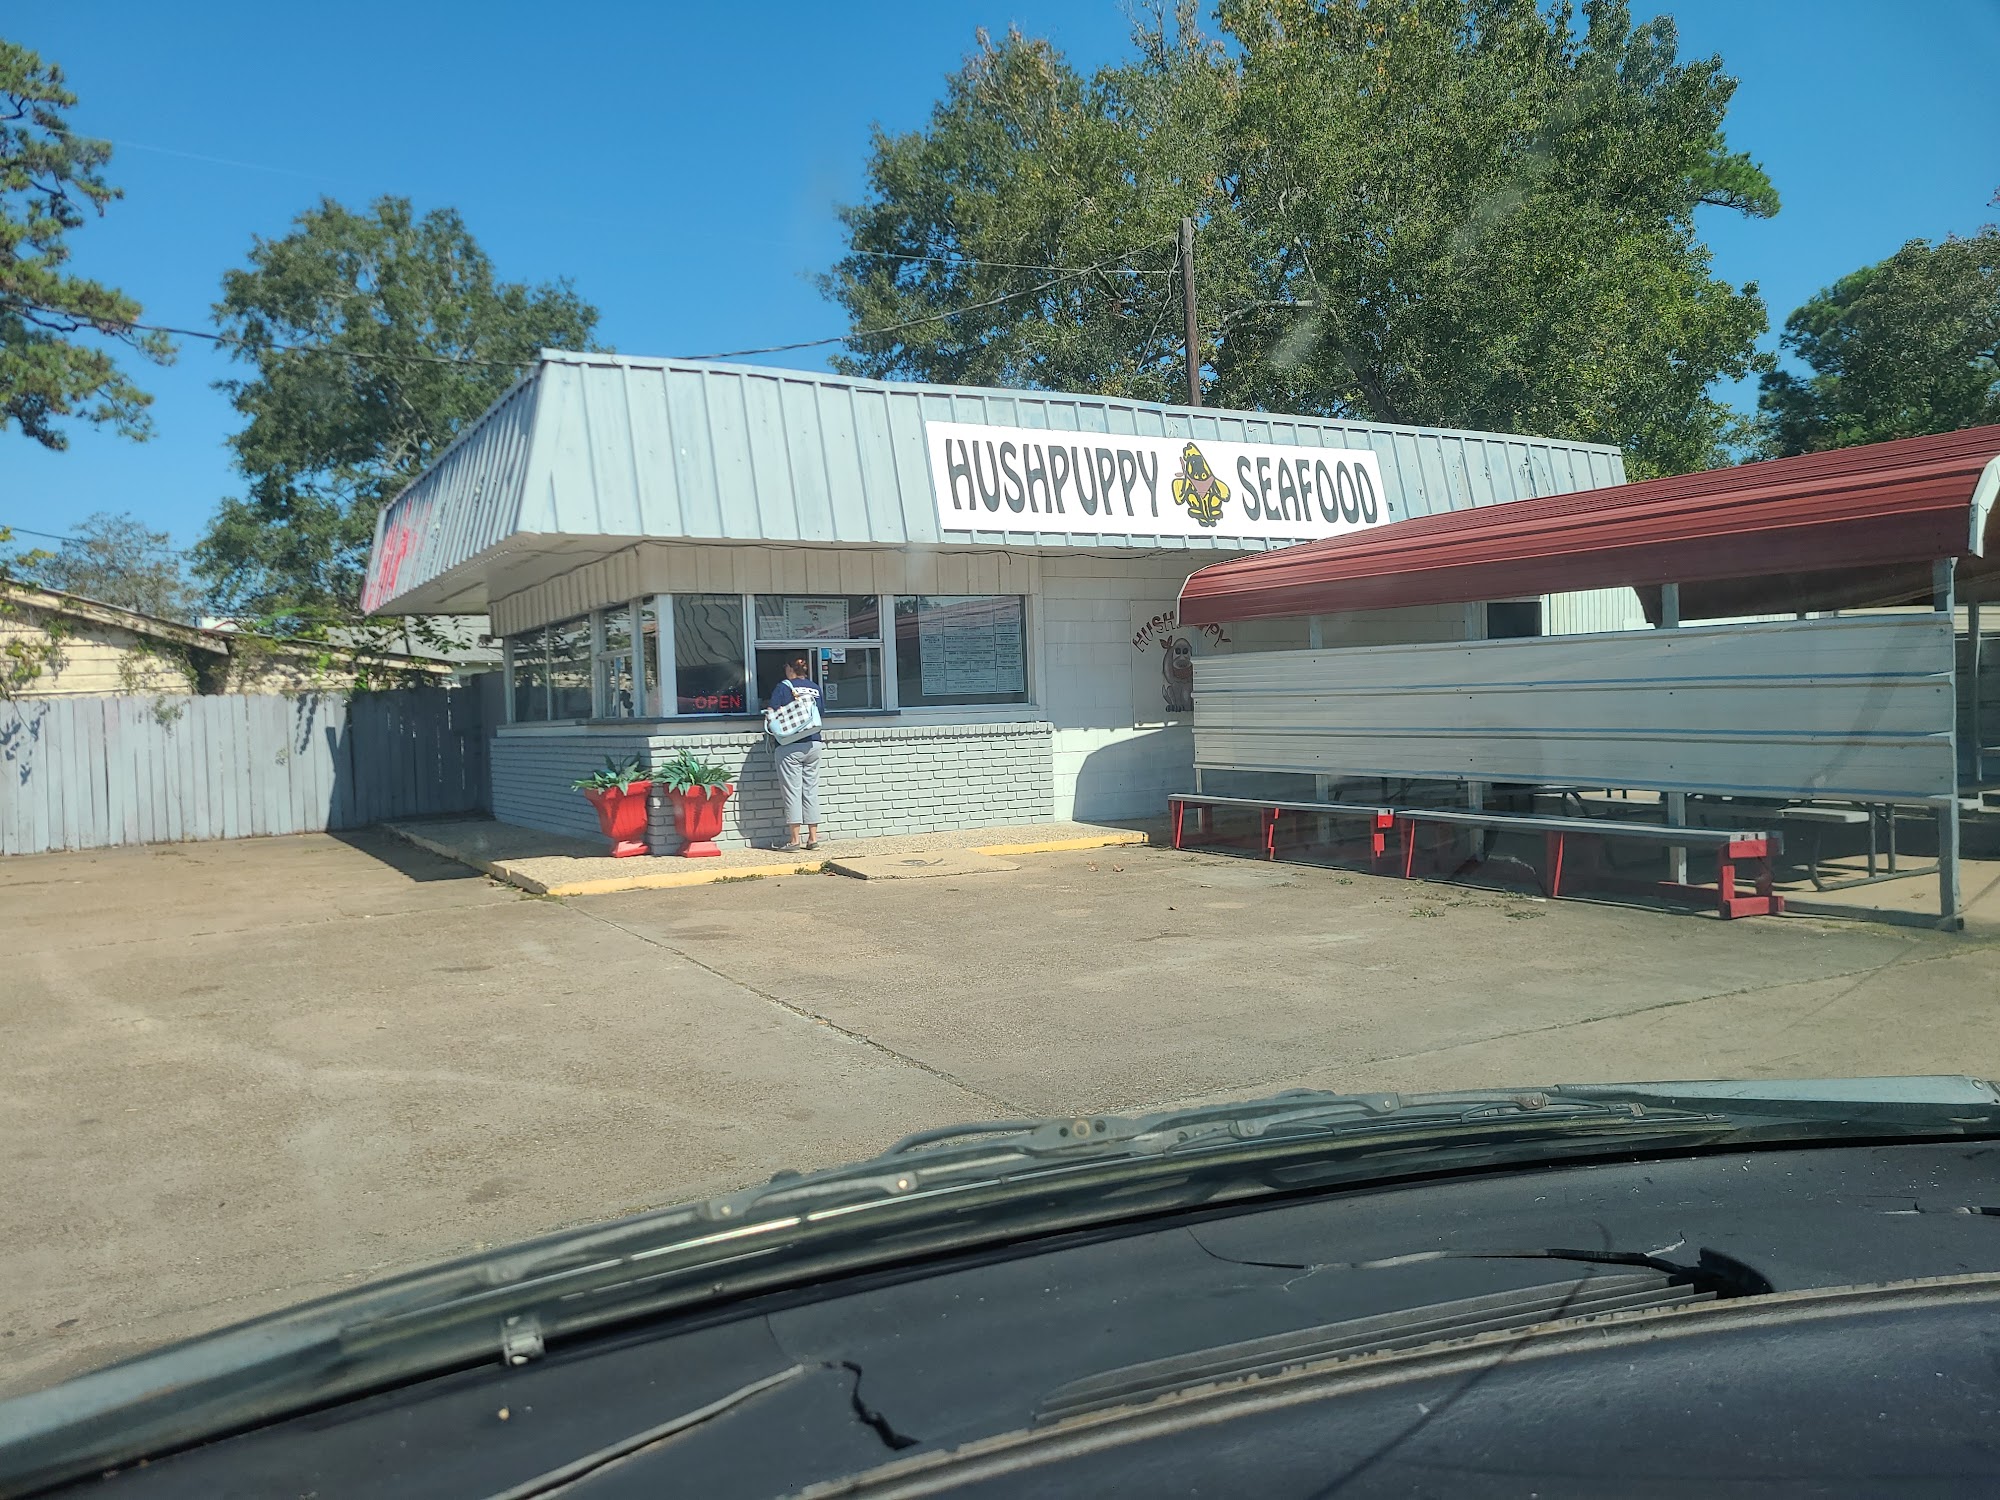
554 864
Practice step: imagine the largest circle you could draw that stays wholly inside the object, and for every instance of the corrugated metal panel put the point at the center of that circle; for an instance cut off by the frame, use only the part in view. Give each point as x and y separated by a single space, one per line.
466 502
1589 611
1857 708
602 445
1886 503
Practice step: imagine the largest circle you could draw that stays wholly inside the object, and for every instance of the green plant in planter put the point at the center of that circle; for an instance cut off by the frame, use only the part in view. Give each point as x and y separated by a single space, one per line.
684 771
619 774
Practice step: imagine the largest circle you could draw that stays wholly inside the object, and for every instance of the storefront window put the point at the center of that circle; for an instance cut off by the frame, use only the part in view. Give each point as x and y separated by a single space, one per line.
808 619
649 655
840 635
961 649
569 669
531 676
616 691
708 654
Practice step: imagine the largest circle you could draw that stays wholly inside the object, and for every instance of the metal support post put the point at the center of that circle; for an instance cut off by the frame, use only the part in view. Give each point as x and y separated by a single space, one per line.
1943 581
1475 791
1677 802
1978 708
1322 783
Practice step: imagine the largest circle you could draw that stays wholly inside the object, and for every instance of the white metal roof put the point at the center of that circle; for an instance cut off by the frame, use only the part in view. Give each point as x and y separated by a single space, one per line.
592 452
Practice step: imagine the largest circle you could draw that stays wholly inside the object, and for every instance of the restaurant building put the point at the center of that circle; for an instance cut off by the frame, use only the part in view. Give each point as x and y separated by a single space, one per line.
984 580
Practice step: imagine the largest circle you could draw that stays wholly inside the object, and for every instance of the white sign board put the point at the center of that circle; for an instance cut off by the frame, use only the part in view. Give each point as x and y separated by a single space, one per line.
1089 483
815 619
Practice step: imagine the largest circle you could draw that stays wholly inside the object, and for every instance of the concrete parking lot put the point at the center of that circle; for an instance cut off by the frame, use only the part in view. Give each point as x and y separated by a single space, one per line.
239 1075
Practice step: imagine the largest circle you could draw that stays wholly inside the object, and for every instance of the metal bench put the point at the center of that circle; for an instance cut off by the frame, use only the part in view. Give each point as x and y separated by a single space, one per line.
1731 846
1269 811
1816 819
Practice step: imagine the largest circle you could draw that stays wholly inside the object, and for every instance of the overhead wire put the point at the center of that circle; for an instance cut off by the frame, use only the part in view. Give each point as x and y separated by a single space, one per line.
226 340
1009 265
936 317
51 536
103 324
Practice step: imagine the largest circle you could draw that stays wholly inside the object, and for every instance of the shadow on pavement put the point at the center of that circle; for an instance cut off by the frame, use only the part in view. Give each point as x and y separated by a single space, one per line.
403 857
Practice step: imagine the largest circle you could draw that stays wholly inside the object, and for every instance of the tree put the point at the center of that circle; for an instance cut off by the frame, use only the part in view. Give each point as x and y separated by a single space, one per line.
375 337
1898 349
49 178
117 559
1447 212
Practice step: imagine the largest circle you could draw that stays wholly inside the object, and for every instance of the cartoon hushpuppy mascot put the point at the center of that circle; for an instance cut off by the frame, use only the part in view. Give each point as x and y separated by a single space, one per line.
1177 670
1198 488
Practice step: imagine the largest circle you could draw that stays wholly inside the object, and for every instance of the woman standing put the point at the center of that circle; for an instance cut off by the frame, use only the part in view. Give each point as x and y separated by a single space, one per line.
798 762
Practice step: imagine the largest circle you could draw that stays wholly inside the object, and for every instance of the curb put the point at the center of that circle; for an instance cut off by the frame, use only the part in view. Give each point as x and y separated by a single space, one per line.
665 880
1118 840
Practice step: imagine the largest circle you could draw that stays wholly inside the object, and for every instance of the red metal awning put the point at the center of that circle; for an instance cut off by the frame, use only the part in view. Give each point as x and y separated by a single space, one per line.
1846 529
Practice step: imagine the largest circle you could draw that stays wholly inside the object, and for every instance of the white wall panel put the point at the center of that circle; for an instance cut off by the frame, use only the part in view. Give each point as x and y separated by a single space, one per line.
1858 708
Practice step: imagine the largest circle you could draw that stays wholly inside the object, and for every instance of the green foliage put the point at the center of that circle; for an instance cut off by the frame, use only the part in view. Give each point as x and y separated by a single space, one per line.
618 774
117 559
387 306
684 771
1899 349
1451 212
30 643
50 180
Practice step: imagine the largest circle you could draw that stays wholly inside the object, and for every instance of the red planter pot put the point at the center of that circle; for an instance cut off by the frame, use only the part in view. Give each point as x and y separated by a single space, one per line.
698 818
622 816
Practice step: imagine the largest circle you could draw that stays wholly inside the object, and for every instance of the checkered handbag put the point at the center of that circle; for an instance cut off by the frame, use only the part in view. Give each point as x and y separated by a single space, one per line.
795 720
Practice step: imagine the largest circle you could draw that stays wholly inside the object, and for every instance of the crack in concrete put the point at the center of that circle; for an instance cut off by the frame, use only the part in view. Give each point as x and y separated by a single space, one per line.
805 1013
1860 976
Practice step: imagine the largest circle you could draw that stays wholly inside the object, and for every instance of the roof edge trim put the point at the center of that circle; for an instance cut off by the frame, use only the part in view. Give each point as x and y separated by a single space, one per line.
577 357
1984 493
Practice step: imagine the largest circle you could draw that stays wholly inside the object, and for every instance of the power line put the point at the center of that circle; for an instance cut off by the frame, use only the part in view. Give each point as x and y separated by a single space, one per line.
45 535
225 340
937 317
1007 265
230 340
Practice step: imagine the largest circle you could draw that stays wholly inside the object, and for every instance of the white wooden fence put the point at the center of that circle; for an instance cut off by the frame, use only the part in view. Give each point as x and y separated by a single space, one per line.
86 772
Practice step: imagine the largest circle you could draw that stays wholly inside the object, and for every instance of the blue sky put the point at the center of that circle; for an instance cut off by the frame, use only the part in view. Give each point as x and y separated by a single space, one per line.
681 163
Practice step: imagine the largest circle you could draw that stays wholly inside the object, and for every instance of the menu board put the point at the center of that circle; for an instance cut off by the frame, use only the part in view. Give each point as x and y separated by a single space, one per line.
972 648
815 619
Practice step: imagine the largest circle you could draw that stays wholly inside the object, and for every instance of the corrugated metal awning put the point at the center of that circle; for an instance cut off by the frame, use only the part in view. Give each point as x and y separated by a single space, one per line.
1872 518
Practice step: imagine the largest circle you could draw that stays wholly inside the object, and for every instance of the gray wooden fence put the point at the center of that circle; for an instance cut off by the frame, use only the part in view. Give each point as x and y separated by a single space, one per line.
83 773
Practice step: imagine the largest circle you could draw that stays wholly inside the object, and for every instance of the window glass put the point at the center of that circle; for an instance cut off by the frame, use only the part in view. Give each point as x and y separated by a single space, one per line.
617 696
855 682
569 669
1509 619
818 617
961 649
849 684
708 654
618 629
614 685
531 677
649 654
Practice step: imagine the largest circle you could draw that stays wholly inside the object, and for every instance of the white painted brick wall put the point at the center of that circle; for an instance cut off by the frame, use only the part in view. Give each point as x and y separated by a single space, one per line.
873 781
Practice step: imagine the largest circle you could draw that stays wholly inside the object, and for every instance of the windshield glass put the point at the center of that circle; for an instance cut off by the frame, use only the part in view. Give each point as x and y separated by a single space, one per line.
901 637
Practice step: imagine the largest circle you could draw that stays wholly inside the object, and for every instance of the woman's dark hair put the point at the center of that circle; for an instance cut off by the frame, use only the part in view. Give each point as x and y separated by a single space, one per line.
799 665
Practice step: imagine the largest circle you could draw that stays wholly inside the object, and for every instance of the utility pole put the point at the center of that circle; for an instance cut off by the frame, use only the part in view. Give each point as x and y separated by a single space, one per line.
1191 334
